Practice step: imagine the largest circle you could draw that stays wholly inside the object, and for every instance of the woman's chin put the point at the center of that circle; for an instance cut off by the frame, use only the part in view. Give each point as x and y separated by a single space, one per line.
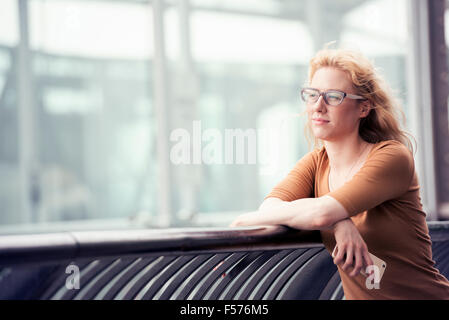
318 134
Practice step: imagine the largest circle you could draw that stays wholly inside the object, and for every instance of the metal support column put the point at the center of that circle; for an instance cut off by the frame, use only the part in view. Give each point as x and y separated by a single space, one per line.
26 119
324 25
420 102
161 104
185 95
440 93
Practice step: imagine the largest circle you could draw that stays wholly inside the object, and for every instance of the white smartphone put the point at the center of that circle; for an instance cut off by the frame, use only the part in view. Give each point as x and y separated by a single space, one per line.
379 263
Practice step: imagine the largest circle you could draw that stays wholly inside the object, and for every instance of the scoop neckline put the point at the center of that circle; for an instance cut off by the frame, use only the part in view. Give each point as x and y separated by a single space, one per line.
328 169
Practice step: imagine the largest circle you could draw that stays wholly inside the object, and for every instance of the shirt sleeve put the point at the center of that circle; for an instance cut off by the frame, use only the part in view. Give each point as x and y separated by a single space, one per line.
386 175
300 181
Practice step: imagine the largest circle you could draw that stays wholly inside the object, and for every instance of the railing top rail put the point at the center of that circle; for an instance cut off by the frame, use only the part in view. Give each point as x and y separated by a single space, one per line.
57 247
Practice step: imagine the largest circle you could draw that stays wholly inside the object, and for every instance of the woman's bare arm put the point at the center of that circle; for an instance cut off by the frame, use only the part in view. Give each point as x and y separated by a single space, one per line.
271 203
306 214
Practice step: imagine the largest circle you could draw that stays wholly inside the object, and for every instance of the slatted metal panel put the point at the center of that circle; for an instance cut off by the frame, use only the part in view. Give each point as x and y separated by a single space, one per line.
269 275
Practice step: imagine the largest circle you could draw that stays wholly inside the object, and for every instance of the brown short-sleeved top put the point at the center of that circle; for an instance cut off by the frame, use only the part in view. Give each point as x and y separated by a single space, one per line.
383 201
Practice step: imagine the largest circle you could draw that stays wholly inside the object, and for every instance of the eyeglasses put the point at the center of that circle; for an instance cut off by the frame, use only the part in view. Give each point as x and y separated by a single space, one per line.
331 97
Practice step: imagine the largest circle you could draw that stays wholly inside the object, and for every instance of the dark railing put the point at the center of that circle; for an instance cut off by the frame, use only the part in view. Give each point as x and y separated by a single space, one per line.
20 249
272 262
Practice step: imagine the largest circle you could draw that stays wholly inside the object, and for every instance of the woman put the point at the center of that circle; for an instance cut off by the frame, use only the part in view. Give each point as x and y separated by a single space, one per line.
359 187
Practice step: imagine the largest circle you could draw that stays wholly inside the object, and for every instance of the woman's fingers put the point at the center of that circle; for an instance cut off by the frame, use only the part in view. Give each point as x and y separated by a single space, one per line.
349 259
235 223
357 259
339 256
353 259
358 263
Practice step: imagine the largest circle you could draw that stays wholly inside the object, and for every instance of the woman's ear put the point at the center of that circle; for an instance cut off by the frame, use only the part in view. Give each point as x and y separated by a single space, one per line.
365 108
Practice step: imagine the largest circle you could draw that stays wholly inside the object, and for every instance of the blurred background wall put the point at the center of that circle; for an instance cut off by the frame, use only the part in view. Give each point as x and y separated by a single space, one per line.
91 93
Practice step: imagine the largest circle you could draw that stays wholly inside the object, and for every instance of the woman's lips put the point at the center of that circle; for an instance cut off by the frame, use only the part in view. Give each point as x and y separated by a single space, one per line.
319 121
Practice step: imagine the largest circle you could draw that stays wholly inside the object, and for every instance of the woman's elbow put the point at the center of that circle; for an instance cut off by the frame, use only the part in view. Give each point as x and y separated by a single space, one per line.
313 222
323 221
331 212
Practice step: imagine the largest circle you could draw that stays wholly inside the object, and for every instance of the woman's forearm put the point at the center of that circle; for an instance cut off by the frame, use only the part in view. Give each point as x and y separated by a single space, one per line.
306 214
341 222
271 203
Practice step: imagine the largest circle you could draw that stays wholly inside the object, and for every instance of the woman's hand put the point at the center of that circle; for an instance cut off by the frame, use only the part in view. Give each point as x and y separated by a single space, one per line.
246 219
351 248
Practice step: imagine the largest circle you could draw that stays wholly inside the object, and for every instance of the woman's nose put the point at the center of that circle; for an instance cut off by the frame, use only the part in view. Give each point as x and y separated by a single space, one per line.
320 104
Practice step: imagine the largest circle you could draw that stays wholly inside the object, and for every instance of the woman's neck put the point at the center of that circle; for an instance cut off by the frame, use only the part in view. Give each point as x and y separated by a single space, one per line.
343 154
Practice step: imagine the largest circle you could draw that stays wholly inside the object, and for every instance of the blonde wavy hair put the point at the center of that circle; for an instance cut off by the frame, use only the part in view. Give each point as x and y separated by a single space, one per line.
382 122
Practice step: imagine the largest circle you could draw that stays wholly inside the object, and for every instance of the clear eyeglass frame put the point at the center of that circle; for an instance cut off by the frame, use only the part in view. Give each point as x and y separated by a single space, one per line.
330 97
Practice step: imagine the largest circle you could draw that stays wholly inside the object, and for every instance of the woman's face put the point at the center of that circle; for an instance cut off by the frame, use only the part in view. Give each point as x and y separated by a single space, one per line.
339 121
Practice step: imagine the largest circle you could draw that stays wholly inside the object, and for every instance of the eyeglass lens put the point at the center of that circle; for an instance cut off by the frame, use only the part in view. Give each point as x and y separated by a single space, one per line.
330 97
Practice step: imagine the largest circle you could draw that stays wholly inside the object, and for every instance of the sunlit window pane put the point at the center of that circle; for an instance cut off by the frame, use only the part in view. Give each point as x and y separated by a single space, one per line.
91 28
